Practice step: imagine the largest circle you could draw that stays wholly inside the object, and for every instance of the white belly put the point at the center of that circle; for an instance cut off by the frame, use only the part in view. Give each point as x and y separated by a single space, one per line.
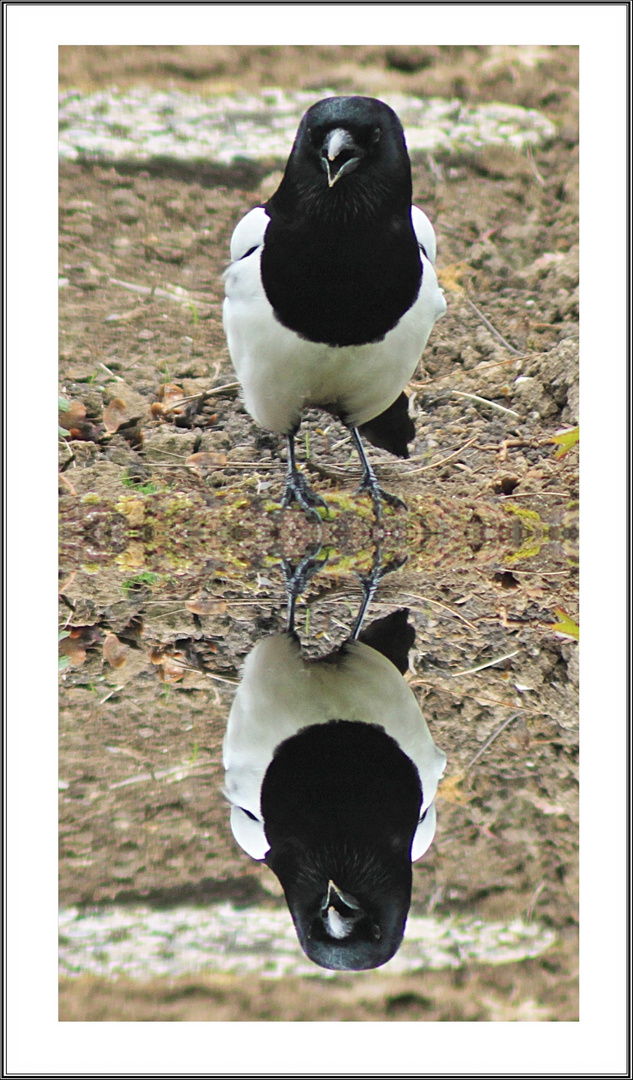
282 374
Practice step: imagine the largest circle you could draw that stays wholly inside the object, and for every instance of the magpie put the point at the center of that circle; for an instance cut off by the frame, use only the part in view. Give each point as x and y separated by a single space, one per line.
331 293
331 773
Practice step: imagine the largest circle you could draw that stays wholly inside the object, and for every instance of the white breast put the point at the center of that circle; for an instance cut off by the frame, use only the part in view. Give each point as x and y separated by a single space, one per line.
281 692
282 374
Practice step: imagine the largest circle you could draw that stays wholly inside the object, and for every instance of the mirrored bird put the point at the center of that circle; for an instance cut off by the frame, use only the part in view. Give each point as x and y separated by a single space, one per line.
332 293
332 772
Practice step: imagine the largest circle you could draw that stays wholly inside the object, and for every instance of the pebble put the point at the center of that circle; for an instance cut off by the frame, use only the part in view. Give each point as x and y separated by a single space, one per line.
141 943
255 127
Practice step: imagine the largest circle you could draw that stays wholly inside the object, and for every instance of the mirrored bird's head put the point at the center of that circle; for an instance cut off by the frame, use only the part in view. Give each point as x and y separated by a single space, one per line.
351 926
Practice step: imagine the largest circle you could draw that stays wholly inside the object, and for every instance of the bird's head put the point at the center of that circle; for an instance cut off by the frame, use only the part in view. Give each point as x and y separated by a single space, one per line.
351 926
341 803
351 149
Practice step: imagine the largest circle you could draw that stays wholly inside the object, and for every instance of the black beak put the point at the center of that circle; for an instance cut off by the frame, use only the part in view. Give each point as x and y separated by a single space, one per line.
340 912
339 154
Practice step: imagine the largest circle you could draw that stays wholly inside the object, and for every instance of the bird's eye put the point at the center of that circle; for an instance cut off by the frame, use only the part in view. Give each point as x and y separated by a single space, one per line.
377 933
376 135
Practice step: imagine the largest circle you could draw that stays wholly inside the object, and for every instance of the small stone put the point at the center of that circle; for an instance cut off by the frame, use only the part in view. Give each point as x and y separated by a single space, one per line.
82 229
86 276
124 197
503 162
128 215
75 205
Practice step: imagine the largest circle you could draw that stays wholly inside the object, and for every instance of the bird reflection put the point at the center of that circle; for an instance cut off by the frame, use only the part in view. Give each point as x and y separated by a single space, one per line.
332 772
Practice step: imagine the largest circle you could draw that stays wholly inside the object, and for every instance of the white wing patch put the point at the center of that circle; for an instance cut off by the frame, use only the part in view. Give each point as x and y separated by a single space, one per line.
249 233
424 232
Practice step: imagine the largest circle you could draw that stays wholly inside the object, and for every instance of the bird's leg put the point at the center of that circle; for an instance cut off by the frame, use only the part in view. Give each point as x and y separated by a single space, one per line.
370 583
369 482
297 579
297 487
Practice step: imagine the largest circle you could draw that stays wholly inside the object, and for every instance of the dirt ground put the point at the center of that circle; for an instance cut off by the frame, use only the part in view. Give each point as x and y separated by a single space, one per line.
171 537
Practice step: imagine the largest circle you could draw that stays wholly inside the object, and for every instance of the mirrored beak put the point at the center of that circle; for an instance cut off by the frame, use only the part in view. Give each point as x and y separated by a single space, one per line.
338 898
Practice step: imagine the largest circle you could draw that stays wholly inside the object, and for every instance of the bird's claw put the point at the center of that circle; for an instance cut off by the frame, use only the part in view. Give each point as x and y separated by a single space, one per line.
378 495
298 489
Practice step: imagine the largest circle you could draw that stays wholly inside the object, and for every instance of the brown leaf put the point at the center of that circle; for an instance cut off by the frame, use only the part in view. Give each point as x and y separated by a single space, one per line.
168 672
205 606
169 392
114 651
73 416
169 395
205 460
74 649
114 415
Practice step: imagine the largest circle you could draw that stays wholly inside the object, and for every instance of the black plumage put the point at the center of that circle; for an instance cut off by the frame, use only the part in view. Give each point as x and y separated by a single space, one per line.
332 292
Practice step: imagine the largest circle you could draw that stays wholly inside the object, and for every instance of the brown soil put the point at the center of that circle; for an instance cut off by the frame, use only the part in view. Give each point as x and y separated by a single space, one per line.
169 567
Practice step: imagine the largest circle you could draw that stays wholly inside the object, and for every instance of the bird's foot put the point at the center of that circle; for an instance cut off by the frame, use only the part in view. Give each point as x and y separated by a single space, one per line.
378 494
297 578
370 583
298 489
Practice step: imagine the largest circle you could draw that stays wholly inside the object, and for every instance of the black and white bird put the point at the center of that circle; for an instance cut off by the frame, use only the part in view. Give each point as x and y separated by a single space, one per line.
332 293
331 773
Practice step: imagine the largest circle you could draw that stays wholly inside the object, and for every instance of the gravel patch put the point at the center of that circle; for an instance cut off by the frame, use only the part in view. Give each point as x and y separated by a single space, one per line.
140 124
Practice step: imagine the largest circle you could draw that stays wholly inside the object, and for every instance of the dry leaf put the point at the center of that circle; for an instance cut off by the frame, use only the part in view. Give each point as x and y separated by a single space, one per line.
72 416
169 394
169 672
114 651
205 460
74 649
203 606
114 415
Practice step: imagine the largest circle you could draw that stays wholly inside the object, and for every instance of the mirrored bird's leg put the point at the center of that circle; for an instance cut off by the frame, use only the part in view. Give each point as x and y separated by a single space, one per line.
369 482
297 487
297 579
370 583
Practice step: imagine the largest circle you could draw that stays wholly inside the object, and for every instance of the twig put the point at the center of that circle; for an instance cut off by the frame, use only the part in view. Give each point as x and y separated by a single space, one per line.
427 600
117 377
442 461
200 671
162 294
115 691
489 741
484 367
535 895
489 326
539 179
482 667
485 401
67 483
69 580
176 772
538 495
202 396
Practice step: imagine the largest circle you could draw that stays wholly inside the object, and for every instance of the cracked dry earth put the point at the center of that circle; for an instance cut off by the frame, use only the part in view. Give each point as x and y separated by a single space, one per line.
172 540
